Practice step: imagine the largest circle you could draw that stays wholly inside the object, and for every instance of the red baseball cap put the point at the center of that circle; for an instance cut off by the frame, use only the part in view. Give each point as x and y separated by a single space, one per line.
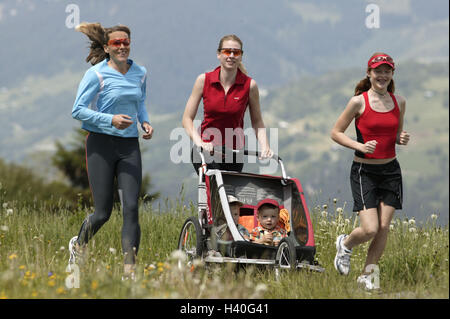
268 201
380 59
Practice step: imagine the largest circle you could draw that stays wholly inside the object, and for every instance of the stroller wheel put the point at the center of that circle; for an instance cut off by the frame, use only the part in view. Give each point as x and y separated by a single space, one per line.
191 239
286 257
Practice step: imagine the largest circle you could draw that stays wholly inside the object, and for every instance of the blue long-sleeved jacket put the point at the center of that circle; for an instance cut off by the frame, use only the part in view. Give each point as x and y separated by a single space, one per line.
104 92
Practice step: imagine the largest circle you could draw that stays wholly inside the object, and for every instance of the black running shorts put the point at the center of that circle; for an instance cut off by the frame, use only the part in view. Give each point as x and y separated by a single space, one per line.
372 183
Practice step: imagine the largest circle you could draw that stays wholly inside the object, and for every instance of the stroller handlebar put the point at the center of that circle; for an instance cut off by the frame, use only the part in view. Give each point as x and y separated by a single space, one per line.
258 154
245 152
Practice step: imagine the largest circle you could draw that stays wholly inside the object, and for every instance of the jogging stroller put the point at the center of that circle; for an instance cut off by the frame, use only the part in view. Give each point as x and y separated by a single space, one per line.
198 237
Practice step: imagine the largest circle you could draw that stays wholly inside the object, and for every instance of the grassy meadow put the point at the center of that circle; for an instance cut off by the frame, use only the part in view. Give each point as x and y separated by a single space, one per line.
34 254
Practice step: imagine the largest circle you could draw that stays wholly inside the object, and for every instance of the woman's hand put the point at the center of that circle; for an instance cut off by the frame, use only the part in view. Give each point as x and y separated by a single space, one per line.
208 147
121 121
403 138
148 129
266 153
368 147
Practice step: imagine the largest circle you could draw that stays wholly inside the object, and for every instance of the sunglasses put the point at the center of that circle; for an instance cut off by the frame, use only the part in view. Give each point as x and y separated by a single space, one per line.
118 42
381 58
236 52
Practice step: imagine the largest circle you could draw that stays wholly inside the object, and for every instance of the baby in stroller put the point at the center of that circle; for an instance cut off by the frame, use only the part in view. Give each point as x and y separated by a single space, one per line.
223 232
269 232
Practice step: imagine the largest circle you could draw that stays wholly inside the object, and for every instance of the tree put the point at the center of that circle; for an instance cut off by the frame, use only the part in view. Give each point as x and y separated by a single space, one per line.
71 161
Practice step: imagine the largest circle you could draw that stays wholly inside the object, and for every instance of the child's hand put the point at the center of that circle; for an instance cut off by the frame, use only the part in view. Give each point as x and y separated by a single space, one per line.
267 237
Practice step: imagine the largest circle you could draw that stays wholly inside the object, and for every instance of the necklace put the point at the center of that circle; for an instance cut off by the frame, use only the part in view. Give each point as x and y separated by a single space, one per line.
380 94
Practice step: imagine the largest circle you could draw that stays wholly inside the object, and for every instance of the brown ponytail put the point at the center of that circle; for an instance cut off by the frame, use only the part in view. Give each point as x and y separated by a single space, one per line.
364 85
99 37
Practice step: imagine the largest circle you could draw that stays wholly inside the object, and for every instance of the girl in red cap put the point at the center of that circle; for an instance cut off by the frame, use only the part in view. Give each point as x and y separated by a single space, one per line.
375 178
226 93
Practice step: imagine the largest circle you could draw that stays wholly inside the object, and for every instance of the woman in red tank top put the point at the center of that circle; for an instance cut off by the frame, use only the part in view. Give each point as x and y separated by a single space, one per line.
226 93
375 176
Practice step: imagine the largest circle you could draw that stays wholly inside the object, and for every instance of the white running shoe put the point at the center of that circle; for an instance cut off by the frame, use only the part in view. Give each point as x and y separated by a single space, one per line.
365 282
130 276
129 272
342 259
75 256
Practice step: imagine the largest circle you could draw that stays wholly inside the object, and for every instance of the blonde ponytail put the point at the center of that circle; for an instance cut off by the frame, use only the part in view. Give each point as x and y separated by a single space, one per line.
242 68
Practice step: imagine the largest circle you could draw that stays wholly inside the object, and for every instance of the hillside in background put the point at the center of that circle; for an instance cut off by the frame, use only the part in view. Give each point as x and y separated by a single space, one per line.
305 55
303 113
176 40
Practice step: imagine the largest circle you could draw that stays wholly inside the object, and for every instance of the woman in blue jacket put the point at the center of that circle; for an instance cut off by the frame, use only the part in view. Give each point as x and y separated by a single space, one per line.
110 102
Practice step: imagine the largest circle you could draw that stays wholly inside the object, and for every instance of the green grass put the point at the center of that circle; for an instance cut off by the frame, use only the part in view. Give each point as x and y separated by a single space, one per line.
34 254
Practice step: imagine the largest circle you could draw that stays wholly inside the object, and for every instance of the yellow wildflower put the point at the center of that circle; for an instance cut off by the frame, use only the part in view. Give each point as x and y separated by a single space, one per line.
12 256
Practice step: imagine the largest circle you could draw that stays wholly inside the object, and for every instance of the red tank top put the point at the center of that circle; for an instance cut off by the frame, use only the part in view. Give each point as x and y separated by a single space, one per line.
223 114
379 126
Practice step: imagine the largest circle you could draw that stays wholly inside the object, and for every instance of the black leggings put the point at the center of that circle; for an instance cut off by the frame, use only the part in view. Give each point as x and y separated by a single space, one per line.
108 157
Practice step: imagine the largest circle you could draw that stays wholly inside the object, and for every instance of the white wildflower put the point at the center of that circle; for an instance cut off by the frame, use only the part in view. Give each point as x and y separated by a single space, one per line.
62 248
412 230
412 222
4 228
324 213
405 223
434 216
9 211
178 255
335 200
325 206
339 210
260 288
5 205
198 262
347 221
112 250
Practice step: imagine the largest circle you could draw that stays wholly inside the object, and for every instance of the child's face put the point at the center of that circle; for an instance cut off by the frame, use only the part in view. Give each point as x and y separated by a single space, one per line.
268 217
235 212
